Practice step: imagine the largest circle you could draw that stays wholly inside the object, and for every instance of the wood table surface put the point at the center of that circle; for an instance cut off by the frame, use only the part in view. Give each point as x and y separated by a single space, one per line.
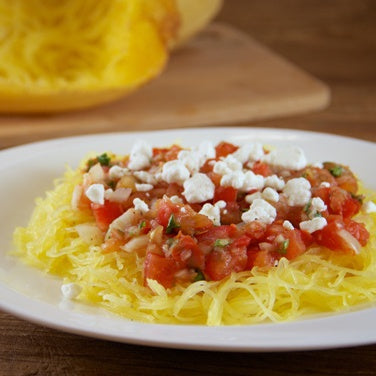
335 41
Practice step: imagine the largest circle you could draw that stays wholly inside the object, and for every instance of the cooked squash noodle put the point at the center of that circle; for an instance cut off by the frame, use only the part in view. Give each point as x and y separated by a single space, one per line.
317 281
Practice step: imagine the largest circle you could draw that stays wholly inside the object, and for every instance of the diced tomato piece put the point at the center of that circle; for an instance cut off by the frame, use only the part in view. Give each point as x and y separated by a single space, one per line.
261 168
243 241
159 268
174 190
261 259
255 230
165 210
357 230
218 265
187 253
105 214
323 193
331 236
223 149
194 223
227 194
208 166
232 214
341 202
217 232
296 244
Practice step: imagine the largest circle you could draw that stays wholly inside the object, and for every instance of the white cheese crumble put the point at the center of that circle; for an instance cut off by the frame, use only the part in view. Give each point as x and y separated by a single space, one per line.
314 224
270 194
260 210
249 152
233 179
117 172
227 165
190 160
291 158
144 187
140 205
325 184
221 204
145 177
140 156
70 290
317 206
176 199
175 172
95 193
212 212
252 181
275 182
369 207
288 225
250 198
206 151
297 191
317 165
198 188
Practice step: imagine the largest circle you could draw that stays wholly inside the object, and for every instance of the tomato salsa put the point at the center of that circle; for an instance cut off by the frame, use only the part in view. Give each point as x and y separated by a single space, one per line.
203 213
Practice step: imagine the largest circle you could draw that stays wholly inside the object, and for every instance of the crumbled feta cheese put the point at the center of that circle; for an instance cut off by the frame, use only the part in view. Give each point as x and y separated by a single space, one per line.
70 290
198 188
317 165
176 199
175 172
221 204
260 210
297 191
183 210
325 184
275 182
252 181
270 194
227 165
117 172
140 205
291 158
95 193
233 179
140 156
249 152
314 224
369 207
250 198
190 160
206 151
288 225
145 177
143 187
317 206
212 212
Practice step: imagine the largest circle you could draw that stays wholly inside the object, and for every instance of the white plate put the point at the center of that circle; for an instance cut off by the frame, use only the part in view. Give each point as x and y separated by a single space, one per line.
27 171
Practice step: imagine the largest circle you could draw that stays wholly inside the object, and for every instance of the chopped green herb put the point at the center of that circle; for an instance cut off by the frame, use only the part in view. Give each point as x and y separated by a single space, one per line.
317 214
172 225
359 198
283 248
222 242
104 159
142 225
305 174
91 163
199 277
112 184
336 171
307 207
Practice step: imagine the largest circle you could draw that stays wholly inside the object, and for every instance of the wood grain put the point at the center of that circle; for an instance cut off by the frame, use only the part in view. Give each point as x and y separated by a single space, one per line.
221 76
333 40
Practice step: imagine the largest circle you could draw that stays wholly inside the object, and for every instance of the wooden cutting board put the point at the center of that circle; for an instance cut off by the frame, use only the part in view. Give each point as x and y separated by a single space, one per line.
222 76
